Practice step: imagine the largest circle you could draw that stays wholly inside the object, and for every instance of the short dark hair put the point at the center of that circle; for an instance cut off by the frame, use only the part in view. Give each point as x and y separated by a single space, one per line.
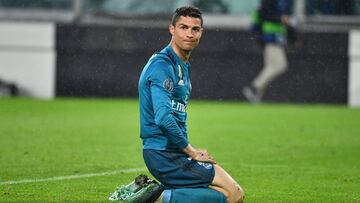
186 11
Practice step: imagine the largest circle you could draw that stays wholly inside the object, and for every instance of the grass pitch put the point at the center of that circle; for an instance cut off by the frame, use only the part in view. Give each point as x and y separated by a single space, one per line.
80 150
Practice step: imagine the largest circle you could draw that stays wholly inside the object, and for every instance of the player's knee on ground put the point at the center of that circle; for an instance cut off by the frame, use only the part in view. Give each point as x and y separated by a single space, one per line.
233 195
239 194
236 195
224 183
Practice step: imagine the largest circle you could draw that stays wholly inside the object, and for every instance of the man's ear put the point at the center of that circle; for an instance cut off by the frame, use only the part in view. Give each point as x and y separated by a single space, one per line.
171 29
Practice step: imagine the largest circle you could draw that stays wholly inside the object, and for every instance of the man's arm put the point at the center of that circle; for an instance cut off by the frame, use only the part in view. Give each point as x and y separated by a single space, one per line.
285 8
268 13
162 78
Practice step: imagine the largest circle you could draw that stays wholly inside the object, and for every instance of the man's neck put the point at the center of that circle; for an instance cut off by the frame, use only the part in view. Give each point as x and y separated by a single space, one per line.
184 55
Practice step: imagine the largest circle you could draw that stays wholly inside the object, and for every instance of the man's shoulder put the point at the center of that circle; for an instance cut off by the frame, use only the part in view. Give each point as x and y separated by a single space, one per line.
161 60
162 57
159 64
158 61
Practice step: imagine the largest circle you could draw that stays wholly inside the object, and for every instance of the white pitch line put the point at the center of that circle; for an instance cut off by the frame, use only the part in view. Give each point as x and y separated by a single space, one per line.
57 178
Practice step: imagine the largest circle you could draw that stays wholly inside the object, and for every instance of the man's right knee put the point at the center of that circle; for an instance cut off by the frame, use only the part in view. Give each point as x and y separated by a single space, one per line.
224 183
236 195
240 195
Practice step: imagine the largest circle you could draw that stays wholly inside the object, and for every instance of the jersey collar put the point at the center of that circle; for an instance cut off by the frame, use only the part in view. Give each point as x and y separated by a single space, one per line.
177 58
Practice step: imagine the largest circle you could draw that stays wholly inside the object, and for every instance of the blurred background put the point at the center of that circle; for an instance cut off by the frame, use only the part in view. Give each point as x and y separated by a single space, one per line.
97 48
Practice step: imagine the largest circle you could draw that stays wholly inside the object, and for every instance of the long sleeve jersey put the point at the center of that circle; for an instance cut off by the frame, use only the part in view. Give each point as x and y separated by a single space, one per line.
164 89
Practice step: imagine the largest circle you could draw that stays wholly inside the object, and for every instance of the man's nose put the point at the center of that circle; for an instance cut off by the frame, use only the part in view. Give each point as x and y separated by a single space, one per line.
190 33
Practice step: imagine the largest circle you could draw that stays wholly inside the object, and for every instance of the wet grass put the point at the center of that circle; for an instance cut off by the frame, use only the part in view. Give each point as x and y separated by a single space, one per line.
277 152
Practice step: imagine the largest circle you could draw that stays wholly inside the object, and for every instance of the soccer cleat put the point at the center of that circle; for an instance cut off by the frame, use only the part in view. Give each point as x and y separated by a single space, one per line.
251 94
141 190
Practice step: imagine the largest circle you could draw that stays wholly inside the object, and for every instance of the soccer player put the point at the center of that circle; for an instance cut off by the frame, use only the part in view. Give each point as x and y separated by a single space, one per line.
164 90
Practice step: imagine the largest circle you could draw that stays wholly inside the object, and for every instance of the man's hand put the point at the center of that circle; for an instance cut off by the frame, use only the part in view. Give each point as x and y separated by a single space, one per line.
199 154
285 19
204 156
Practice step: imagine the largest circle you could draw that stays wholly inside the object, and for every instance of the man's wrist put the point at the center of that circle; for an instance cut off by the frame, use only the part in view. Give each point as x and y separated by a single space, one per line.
189 150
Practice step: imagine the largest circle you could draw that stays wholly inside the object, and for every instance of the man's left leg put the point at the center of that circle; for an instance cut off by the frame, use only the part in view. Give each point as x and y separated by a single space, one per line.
224 183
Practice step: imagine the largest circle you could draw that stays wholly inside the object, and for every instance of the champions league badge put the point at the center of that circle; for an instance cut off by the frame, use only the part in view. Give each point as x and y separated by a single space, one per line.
168 85
205 165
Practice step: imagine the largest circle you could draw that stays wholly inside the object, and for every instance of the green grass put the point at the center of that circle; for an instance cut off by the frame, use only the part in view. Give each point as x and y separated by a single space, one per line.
277 152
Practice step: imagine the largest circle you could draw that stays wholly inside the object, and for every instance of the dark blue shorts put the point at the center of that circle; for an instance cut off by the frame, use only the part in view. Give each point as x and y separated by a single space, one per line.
176 170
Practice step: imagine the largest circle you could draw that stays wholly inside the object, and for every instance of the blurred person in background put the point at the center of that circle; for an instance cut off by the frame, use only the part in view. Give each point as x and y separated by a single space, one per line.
188 174
271 23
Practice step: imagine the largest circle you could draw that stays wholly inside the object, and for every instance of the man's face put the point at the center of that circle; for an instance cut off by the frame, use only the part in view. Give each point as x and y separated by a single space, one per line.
186 32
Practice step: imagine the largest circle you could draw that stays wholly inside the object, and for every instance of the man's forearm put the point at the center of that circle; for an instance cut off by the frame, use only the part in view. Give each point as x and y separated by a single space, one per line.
190 150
